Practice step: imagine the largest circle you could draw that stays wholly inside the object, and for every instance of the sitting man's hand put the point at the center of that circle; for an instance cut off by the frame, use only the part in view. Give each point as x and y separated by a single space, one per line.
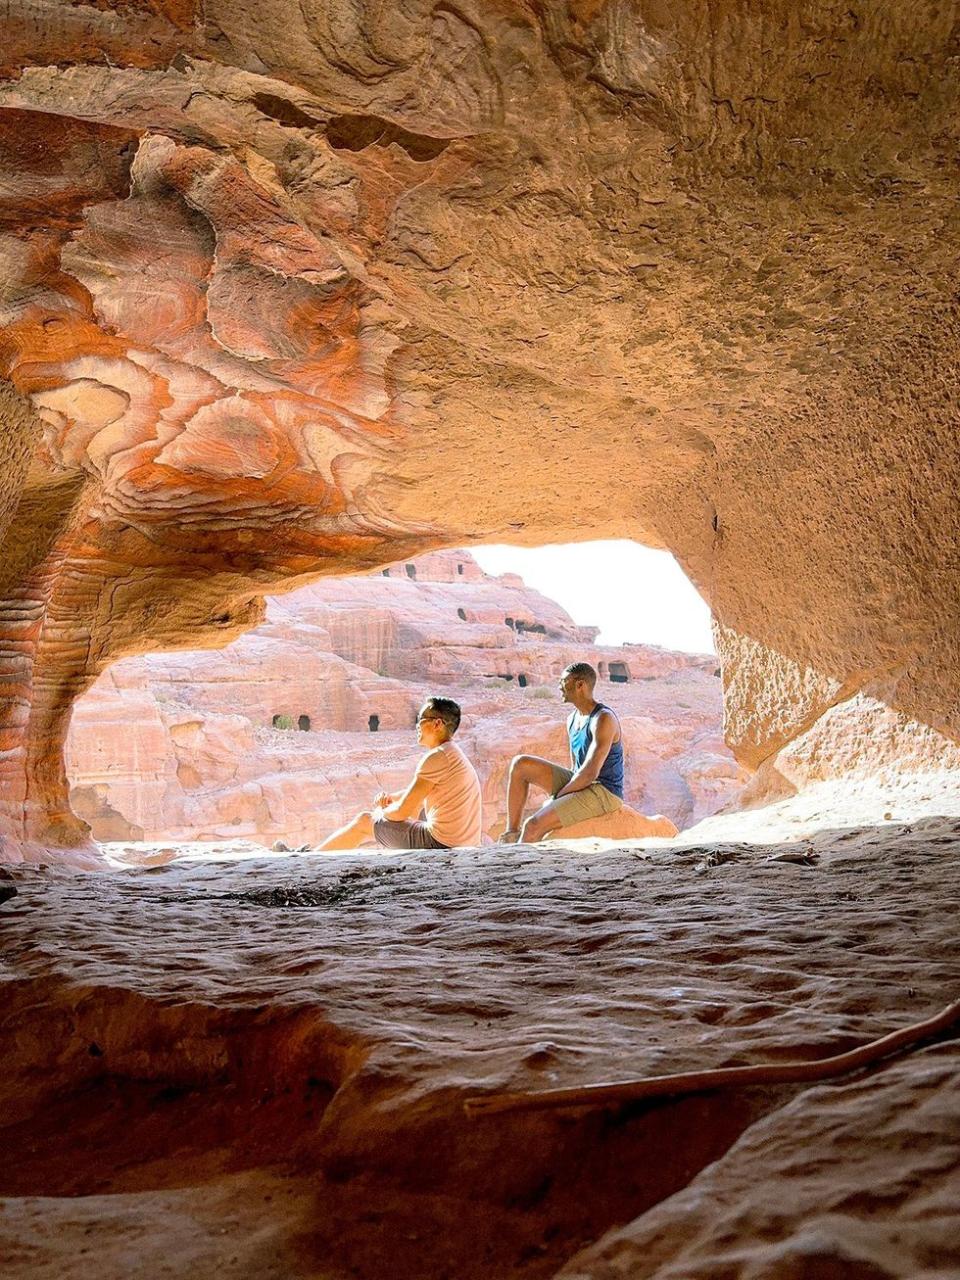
382 800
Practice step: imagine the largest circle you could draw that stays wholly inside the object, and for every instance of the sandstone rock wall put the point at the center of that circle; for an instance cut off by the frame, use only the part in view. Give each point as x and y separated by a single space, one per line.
300 291
183 746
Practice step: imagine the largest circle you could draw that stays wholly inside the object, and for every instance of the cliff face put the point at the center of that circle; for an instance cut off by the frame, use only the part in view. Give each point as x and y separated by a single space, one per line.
291 291
183 746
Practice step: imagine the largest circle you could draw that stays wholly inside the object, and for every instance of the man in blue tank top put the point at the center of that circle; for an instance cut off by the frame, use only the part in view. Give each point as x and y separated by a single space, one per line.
594 784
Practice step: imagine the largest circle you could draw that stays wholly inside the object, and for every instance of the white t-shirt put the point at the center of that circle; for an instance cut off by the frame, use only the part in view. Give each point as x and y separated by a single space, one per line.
454 805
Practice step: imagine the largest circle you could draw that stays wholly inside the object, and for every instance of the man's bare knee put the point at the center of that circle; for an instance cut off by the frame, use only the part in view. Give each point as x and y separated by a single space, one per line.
362 824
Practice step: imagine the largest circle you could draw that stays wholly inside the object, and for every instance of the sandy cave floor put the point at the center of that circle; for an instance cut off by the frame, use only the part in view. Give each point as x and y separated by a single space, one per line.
255 1066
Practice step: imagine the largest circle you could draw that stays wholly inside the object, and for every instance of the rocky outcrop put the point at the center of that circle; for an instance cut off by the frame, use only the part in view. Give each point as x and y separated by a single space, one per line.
185 746
860 762
809 1190
303 291
258 1068
625 824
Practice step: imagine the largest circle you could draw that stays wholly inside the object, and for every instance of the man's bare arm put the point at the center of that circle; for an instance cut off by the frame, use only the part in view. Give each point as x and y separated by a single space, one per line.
409 804
604 733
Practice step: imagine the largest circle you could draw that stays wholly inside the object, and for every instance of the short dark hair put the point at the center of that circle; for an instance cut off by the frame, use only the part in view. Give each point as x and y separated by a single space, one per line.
582 671
447 710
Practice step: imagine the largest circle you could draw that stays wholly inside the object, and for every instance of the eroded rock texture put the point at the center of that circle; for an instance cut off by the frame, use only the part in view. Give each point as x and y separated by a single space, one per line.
257 1070
295 289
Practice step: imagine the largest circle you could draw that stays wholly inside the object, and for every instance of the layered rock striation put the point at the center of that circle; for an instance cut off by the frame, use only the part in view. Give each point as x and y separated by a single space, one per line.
300 291
293 291
186 746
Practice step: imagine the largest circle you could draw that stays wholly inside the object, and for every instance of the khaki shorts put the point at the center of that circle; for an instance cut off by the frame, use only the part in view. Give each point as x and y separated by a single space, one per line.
591 802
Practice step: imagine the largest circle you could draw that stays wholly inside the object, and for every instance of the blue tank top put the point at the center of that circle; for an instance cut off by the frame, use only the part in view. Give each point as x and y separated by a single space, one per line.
611 772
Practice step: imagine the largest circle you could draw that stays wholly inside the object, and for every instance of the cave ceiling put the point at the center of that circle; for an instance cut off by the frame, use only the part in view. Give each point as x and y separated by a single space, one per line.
289 289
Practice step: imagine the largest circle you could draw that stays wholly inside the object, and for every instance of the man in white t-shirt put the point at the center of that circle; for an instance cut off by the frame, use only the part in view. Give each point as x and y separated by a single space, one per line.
445 785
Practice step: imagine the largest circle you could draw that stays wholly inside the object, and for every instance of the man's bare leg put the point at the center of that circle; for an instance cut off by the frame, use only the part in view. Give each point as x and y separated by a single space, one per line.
524 772
351 836
540 824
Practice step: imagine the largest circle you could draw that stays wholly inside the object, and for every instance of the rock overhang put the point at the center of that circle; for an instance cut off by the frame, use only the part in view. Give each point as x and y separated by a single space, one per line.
295 292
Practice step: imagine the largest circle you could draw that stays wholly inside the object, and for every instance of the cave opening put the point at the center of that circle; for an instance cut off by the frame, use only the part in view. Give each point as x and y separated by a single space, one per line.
358 637
293 291
355 639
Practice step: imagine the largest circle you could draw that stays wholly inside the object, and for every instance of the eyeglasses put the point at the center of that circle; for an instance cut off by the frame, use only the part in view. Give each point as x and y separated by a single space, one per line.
429 719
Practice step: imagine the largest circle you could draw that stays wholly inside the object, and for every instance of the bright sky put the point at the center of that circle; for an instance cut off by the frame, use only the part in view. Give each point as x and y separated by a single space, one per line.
628 591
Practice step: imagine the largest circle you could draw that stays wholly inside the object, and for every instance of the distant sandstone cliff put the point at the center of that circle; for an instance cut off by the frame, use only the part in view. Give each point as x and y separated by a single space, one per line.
208 745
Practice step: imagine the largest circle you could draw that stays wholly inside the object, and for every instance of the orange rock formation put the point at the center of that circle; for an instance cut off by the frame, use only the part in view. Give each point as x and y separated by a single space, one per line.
289 290
294 291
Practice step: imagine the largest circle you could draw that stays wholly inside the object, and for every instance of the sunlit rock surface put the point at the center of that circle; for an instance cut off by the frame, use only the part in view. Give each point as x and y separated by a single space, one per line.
861 762
300 290
184 745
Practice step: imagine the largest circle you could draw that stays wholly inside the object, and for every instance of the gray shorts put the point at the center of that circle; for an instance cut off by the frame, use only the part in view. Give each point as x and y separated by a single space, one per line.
404 835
